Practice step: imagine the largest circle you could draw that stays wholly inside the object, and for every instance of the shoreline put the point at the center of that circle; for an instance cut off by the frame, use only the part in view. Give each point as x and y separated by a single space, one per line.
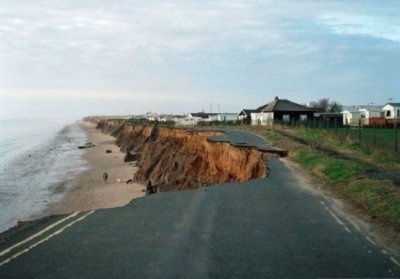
88 191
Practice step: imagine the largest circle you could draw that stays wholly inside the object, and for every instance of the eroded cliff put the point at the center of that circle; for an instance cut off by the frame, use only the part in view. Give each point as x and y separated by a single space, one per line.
177 159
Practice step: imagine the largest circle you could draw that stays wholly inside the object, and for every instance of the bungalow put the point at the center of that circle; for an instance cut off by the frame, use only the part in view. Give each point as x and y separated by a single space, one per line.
245 115
227 117
281 110
391 110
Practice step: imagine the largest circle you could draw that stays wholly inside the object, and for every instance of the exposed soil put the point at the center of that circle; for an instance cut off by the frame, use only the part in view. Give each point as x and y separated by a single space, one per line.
176 159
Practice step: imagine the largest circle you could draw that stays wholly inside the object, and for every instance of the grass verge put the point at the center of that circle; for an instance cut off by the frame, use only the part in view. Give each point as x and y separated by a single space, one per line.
344 169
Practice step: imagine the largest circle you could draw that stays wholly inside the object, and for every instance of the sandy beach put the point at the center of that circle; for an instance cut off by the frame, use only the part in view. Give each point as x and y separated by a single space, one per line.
88 191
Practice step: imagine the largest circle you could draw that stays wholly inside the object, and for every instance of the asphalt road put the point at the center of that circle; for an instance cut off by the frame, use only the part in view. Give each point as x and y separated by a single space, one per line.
265 228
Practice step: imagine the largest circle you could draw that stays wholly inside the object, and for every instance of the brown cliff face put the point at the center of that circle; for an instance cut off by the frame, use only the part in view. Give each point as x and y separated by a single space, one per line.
175 159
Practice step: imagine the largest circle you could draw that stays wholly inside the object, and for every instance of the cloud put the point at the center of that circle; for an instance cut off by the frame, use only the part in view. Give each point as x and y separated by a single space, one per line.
218 50
375 26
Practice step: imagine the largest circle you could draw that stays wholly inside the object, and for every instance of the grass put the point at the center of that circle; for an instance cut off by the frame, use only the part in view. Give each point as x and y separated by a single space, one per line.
380 199
325 166
343 165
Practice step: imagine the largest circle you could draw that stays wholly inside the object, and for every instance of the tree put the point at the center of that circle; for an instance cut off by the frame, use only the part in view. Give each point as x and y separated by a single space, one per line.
323 105
335 107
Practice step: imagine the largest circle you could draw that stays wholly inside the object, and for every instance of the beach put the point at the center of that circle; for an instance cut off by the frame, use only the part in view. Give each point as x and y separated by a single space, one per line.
88 191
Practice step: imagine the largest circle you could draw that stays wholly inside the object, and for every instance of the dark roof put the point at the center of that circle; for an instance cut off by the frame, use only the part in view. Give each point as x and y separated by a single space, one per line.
394 104
282 105
203 115
247 111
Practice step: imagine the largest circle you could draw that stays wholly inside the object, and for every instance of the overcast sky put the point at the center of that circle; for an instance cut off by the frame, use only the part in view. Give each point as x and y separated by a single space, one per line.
82 57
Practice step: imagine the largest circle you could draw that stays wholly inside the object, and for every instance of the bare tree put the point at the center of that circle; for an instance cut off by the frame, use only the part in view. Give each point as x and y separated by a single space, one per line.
323 105
335 107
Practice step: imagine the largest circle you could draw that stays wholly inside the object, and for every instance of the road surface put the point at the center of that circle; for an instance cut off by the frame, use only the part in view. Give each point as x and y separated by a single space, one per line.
265 228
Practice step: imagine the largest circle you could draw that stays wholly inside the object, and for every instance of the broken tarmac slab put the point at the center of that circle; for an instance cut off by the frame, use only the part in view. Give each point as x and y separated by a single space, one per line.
246 139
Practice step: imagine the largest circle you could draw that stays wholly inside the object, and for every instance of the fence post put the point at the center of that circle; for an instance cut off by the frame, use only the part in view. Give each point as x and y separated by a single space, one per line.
359 130
336 127
347 127
374 134
395 136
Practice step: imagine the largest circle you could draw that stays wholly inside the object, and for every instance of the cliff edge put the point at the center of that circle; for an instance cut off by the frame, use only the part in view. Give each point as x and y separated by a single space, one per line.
175 159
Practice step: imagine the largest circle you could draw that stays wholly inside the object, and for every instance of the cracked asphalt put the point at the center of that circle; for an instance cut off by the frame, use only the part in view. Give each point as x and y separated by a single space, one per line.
265 228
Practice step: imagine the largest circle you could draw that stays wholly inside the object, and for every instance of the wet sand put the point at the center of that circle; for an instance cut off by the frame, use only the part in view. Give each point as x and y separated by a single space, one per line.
88 191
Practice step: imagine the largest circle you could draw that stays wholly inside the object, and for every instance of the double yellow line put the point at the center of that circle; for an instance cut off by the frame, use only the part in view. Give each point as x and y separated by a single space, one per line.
48 228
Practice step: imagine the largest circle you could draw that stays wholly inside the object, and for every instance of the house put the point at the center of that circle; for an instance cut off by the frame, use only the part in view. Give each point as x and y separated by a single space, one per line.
227 117
391 111
245 115
281 110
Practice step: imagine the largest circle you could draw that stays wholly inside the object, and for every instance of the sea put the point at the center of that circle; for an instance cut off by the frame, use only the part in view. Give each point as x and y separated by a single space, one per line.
36 157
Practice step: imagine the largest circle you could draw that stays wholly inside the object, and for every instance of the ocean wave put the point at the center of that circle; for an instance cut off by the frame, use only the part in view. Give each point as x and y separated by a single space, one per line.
29 177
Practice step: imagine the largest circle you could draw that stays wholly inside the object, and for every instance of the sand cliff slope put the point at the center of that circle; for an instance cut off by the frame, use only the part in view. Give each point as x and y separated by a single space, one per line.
177 159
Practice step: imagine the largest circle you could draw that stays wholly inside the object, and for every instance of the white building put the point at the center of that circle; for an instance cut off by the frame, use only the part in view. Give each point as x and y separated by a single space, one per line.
391 110
262 118
227 117
370 112
351 117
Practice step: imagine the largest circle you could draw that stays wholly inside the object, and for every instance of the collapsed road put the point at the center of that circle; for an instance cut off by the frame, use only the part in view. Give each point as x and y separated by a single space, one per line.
269 227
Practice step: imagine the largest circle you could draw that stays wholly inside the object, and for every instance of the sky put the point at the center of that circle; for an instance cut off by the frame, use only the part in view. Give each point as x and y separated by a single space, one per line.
71 58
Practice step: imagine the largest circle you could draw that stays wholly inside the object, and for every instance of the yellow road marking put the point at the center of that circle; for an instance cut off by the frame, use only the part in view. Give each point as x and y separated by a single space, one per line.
45 239
8 250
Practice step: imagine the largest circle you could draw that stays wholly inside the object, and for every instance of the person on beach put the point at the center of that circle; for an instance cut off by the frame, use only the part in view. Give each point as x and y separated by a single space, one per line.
105 177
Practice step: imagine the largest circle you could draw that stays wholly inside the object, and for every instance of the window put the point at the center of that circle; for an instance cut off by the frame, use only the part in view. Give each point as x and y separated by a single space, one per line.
286 118
388 113
398 113
303 117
